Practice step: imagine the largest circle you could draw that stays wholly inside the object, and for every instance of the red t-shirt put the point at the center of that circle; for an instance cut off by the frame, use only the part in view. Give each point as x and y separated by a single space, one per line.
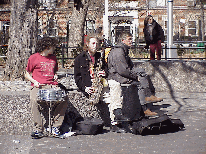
42 68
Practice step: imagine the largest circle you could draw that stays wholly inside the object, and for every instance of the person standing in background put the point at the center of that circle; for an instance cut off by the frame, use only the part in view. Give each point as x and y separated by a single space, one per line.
154 37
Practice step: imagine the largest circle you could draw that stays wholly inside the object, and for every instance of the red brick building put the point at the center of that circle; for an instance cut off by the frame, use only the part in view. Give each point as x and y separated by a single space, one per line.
124 15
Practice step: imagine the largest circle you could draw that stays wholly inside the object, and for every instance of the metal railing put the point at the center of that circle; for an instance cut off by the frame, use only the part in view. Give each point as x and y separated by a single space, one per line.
180 56
63 56
165 50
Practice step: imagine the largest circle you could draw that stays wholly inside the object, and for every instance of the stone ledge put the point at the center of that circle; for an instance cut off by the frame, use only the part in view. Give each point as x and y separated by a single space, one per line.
176 75
170 76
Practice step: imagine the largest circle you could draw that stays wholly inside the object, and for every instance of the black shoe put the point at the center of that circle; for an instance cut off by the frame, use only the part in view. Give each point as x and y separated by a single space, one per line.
37 134
115 128
119 116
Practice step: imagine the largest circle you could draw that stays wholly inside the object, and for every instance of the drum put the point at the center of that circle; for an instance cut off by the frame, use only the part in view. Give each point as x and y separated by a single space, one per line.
51 94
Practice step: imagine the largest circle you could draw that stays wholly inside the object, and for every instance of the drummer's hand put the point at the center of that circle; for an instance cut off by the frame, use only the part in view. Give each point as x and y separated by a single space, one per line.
36 84
101 73
89 90
55 77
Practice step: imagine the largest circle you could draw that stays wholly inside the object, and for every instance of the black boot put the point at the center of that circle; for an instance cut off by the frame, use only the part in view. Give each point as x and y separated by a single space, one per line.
119 116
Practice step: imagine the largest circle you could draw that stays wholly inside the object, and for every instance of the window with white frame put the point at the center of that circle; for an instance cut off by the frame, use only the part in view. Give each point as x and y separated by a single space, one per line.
90 26
161 2
152 3
48 3
156 3
4 30
52 27
192 28
191 3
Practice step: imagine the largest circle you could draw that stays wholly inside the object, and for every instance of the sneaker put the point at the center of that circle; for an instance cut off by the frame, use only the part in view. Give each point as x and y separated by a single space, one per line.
37 134
153 99
55 132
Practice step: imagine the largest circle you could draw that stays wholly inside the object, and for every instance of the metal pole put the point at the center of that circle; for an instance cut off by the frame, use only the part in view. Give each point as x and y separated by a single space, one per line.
202 19
205 51
166 51
105 20
50 118
67 39
62 55
170 27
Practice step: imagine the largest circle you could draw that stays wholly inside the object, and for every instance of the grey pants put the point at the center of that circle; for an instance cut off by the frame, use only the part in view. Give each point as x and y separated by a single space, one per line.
144 85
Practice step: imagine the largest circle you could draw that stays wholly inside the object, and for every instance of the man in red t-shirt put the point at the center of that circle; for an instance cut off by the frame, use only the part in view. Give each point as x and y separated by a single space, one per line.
40 71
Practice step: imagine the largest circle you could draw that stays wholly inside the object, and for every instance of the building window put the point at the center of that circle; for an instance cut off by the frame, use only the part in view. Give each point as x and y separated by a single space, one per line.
192 28
161 3
52 27
4 32
52 32
157 3
152 3
48 3
90 26
191 3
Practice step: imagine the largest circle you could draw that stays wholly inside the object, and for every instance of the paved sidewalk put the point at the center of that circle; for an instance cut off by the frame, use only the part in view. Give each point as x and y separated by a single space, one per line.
189 107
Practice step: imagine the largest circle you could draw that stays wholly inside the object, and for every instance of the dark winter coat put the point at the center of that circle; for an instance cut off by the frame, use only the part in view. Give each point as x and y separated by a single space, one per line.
81 70
120 64
157 34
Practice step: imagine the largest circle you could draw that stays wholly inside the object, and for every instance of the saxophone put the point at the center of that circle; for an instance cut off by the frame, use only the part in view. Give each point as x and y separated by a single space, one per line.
97 85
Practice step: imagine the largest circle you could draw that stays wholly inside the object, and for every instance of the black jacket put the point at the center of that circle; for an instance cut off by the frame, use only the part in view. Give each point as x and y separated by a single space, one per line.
81 70
157 34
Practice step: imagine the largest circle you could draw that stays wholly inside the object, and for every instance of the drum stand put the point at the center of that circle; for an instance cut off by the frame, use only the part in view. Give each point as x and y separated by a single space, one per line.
50 108
50 118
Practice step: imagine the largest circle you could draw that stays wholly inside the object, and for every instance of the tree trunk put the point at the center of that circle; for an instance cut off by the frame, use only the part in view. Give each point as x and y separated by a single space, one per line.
23 36
76 32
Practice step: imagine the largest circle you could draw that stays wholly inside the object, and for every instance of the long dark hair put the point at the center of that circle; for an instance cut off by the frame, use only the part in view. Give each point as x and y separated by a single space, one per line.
146 20
45 43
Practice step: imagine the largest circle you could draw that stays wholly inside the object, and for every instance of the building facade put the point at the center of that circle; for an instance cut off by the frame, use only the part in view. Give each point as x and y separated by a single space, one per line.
54 20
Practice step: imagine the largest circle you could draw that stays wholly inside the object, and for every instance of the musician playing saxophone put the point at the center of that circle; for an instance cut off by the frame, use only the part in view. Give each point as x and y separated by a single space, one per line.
86 64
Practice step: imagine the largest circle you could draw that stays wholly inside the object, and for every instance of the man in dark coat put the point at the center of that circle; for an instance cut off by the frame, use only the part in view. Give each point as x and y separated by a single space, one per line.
154 37
82 72
85 63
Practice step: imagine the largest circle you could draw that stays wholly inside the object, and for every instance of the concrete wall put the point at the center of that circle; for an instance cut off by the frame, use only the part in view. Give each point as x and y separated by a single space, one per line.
176 76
